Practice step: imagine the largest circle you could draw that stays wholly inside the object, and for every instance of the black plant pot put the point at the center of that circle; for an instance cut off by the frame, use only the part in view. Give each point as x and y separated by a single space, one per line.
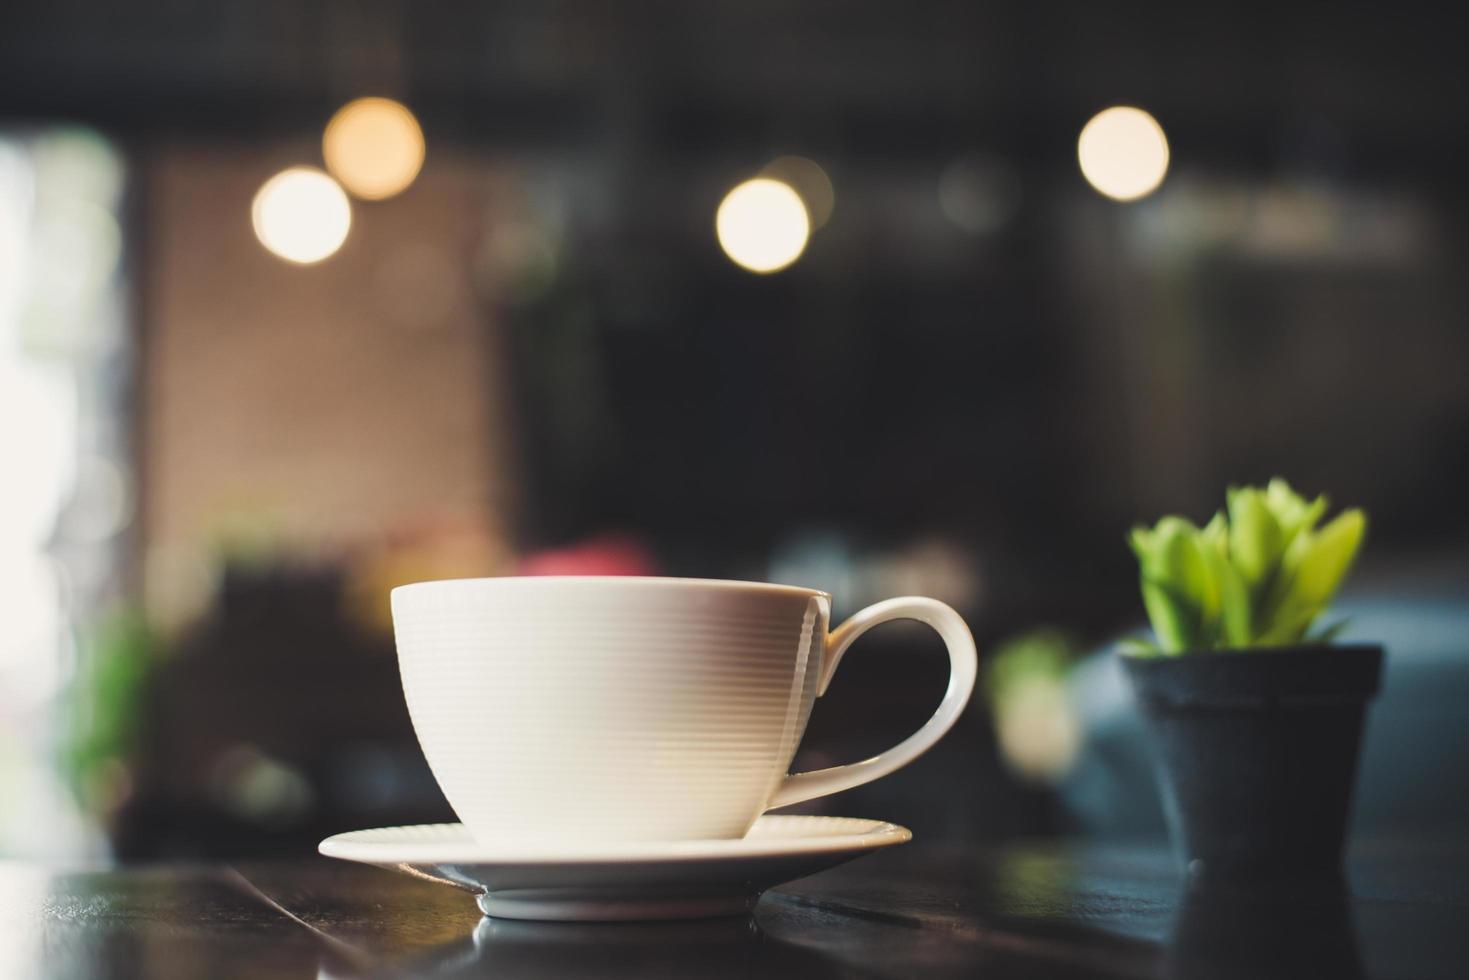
1285 932
1256 753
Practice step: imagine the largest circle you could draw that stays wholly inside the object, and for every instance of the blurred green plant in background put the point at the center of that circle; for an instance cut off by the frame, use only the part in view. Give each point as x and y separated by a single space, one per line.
1024 684
1256 576
104 720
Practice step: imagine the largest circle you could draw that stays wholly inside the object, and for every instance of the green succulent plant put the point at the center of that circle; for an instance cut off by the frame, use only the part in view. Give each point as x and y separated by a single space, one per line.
1257 575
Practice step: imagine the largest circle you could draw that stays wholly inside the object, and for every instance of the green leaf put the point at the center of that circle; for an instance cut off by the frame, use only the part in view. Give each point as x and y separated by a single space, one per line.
1235 612
1180 589
1215 534
1141 540
1175 621
1317 562
1287 627
1282 498
1256 541
1179 564
1291 511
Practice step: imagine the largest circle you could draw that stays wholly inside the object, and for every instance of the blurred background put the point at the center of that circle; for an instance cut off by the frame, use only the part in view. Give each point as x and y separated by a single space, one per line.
302 300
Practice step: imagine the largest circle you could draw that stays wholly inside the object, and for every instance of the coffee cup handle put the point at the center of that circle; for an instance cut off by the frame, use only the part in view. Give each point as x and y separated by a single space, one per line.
963 666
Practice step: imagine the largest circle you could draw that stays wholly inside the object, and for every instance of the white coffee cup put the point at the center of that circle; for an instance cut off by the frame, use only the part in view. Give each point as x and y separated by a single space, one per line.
606 709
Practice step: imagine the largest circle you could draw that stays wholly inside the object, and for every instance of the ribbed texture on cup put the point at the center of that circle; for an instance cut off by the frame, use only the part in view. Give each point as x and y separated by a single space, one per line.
579 710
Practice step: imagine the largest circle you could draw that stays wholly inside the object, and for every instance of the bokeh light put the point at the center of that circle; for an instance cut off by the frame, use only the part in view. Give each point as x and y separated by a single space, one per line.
762 225
374 146
806 177
1123 153
301 215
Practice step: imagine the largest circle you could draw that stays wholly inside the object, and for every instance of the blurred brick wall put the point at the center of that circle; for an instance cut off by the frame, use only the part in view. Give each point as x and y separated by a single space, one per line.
312 409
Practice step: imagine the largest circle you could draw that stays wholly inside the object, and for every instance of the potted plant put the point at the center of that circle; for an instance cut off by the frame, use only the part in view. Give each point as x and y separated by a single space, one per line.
1254 715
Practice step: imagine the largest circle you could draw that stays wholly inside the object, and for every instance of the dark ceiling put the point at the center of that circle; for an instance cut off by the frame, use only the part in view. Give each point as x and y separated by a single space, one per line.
1240 82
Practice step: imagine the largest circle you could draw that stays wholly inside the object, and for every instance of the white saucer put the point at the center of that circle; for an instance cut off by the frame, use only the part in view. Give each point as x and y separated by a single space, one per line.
642 880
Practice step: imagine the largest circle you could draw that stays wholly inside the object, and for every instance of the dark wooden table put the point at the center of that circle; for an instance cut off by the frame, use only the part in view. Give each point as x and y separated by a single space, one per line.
1022 910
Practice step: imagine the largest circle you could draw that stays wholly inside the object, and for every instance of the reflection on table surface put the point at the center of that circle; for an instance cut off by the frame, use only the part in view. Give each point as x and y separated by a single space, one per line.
1035 909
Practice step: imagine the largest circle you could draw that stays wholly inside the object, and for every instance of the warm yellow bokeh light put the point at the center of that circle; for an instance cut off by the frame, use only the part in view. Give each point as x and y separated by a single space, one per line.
1123 153
763 225
302 215
374 147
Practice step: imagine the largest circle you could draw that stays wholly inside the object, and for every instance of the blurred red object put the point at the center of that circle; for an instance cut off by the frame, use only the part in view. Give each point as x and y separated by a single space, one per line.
614 553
